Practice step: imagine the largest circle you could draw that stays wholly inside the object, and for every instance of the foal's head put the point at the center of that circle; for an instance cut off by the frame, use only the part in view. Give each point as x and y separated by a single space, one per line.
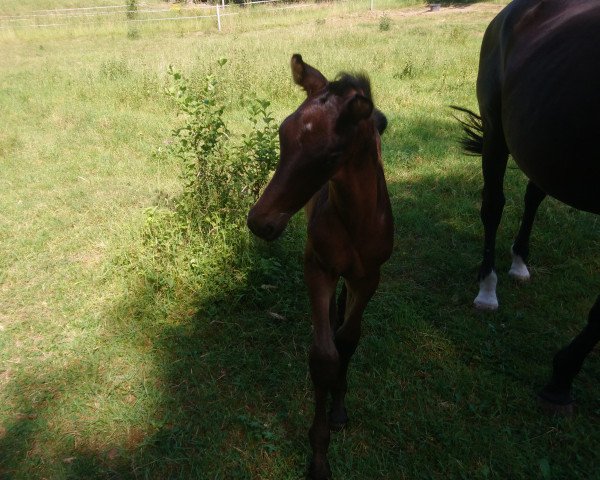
315 142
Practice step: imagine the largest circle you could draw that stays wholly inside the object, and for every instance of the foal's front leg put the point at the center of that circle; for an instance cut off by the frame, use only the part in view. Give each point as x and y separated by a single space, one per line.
347 337
324 362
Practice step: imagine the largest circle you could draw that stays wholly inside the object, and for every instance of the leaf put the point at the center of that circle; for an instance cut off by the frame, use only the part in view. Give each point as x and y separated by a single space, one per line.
545 468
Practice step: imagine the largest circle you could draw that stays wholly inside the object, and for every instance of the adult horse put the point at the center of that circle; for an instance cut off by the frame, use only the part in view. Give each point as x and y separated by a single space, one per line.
539 100
331 163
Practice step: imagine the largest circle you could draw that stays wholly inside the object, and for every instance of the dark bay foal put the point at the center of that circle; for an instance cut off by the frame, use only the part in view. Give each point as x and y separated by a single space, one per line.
331 164
539 100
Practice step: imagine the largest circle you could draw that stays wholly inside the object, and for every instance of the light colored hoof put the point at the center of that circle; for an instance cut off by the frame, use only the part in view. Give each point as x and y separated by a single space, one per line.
518 269
487 299
520 274
486 303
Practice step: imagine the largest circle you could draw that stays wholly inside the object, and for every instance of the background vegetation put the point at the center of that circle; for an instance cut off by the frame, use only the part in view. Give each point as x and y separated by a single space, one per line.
133 347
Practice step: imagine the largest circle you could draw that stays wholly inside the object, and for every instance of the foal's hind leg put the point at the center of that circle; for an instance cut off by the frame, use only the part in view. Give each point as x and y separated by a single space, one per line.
494 159
347 337
556 395
520 248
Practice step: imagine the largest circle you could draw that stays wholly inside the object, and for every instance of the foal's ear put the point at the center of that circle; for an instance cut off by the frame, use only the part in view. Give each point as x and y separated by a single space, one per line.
356 109
309 78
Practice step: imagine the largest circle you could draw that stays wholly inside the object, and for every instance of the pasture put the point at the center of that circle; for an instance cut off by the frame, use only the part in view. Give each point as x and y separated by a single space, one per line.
118 360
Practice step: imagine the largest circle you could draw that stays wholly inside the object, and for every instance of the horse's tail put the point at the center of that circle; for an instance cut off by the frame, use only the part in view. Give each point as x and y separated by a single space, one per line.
472 142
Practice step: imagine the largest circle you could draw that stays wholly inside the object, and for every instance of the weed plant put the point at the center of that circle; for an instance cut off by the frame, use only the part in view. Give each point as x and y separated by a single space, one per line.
385 23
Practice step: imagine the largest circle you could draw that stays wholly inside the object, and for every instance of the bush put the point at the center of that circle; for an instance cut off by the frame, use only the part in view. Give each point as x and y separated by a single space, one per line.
221 177
132 8
385 23
197 243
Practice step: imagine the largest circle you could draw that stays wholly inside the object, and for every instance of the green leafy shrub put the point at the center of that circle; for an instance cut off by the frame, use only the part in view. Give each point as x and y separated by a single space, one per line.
198 241
385 23
222 176
132 8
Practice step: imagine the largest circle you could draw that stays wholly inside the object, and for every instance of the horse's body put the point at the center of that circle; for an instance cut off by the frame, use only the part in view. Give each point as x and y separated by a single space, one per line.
331 163
539 98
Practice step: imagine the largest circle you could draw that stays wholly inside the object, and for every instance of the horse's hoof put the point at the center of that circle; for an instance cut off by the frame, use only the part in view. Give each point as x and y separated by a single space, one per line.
519 272
557 404
486 302
518 269
338 420
486 298
519 275
318 471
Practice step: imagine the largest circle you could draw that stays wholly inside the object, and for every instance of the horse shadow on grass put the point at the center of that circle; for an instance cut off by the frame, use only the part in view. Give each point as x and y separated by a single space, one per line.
437 390
229 390
433 381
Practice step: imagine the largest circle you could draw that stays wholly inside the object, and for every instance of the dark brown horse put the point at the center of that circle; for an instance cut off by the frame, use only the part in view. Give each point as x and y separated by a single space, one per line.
331 164
538 95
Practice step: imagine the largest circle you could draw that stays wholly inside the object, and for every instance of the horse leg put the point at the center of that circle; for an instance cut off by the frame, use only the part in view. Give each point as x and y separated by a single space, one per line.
494 159
337 308
520 248
556 395
346 341
341 306
323 363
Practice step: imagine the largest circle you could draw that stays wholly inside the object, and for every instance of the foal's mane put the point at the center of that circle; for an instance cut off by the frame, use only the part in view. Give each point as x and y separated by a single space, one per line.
346 81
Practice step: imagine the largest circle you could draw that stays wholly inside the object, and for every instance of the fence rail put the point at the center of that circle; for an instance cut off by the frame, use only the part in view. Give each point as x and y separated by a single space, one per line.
142 13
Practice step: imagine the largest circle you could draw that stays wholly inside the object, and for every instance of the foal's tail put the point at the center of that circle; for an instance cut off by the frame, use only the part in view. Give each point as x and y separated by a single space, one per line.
472 142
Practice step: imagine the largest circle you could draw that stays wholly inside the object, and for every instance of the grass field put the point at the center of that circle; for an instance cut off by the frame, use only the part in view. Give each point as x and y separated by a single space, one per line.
115 366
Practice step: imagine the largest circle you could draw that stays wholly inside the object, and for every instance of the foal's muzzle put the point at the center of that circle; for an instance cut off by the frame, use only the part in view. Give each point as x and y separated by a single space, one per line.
266 226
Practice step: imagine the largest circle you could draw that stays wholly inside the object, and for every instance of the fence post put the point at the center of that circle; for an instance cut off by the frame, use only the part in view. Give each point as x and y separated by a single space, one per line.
218 17
371 5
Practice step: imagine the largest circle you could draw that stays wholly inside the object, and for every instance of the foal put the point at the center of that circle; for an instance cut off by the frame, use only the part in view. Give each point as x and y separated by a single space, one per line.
331 164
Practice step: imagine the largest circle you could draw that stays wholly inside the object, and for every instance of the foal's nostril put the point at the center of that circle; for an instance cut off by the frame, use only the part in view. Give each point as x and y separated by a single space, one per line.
252 223
263 230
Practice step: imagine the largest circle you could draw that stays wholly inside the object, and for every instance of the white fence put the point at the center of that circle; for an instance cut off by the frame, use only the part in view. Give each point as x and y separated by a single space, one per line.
142 13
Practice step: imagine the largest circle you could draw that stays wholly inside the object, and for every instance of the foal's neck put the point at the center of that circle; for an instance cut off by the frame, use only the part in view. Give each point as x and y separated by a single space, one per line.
355 190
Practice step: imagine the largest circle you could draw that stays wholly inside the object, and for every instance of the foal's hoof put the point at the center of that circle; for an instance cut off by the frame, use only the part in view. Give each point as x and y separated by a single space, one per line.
338 420
559 404
318 470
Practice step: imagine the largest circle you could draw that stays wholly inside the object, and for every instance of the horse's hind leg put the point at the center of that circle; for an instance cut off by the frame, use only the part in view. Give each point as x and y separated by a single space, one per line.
520 248
556 395
494 159
346 340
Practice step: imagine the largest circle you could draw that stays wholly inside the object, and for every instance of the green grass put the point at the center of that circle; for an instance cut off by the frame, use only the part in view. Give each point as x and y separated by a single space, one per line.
112 366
